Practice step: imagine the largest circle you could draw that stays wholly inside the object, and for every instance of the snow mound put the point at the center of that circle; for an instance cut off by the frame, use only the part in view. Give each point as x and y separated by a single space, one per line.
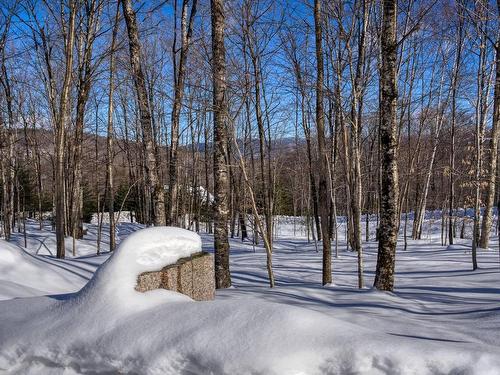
108 327
156 247
145 250
23 275
247 336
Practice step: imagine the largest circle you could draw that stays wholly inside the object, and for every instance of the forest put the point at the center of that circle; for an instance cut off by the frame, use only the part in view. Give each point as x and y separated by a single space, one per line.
358 131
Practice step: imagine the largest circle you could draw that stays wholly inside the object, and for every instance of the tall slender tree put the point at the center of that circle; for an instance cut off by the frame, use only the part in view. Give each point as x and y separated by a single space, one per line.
179 79
454 89
388 230
324 194
151 171
492 152
110 135
221 175
60 130
6 132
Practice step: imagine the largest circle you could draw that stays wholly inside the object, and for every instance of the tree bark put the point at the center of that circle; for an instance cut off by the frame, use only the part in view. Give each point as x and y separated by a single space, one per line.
60 132
221 178
454 89
179 78
323 188
110 136
7 159
483 86
356 117
151 172
491 163
388 230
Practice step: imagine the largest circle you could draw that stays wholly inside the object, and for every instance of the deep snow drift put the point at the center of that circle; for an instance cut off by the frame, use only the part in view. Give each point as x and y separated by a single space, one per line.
442 319
24 275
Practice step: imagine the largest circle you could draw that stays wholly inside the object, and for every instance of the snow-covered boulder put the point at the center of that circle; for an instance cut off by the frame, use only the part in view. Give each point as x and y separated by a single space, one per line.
147 250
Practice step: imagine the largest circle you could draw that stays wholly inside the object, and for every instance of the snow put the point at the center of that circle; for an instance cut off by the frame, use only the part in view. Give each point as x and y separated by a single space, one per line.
24 275
120 217
145 250
442 318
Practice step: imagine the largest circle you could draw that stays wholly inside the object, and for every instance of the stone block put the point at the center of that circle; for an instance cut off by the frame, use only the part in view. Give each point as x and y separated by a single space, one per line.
192 276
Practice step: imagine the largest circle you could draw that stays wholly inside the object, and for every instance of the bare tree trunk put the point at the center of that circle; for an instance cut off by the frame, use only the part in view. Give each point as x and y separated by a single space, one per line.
208 202
443 224
152 177
454 89
324 195
356 116
74 225
36 163
295 60
334 123
84 45
7 160
110 136
8 168
312 179
419 218
483 84
491 163
221 178
60 131
266 181
257 221
384 277
179 78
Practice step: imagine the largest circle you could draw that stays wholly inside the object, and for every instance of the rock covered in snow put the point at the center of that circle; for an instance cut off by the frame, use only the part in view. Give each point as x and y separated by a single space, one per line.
146 250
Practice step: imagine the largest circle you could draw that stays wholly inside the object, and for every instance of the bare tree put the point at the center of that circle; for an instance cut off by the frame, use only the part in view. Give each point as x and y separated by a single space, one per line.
61 122
179 78
492 152
7 163
151 171
454 90
324 194
356 120
388 230
86 31
436 120
221 176
110 135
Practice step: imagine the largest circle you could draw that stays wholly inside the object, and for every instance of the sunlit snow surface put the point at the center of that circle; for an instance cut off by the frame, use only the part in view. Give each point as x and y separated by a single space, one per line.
442 319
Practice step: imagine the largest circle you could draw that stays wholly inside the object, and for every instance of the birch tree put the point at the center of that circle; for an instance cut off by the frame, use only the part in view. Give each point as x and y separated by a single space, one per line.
61 123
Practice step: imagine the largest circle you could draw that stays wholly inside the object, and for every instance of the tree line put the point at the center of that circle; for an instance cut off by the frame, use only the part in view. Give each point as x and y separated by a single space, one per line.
220 115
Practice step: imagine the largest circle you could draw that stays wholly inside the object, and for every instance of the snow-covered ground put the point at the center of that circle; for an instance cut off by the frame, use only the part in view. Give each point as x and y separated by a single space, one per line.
442 318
